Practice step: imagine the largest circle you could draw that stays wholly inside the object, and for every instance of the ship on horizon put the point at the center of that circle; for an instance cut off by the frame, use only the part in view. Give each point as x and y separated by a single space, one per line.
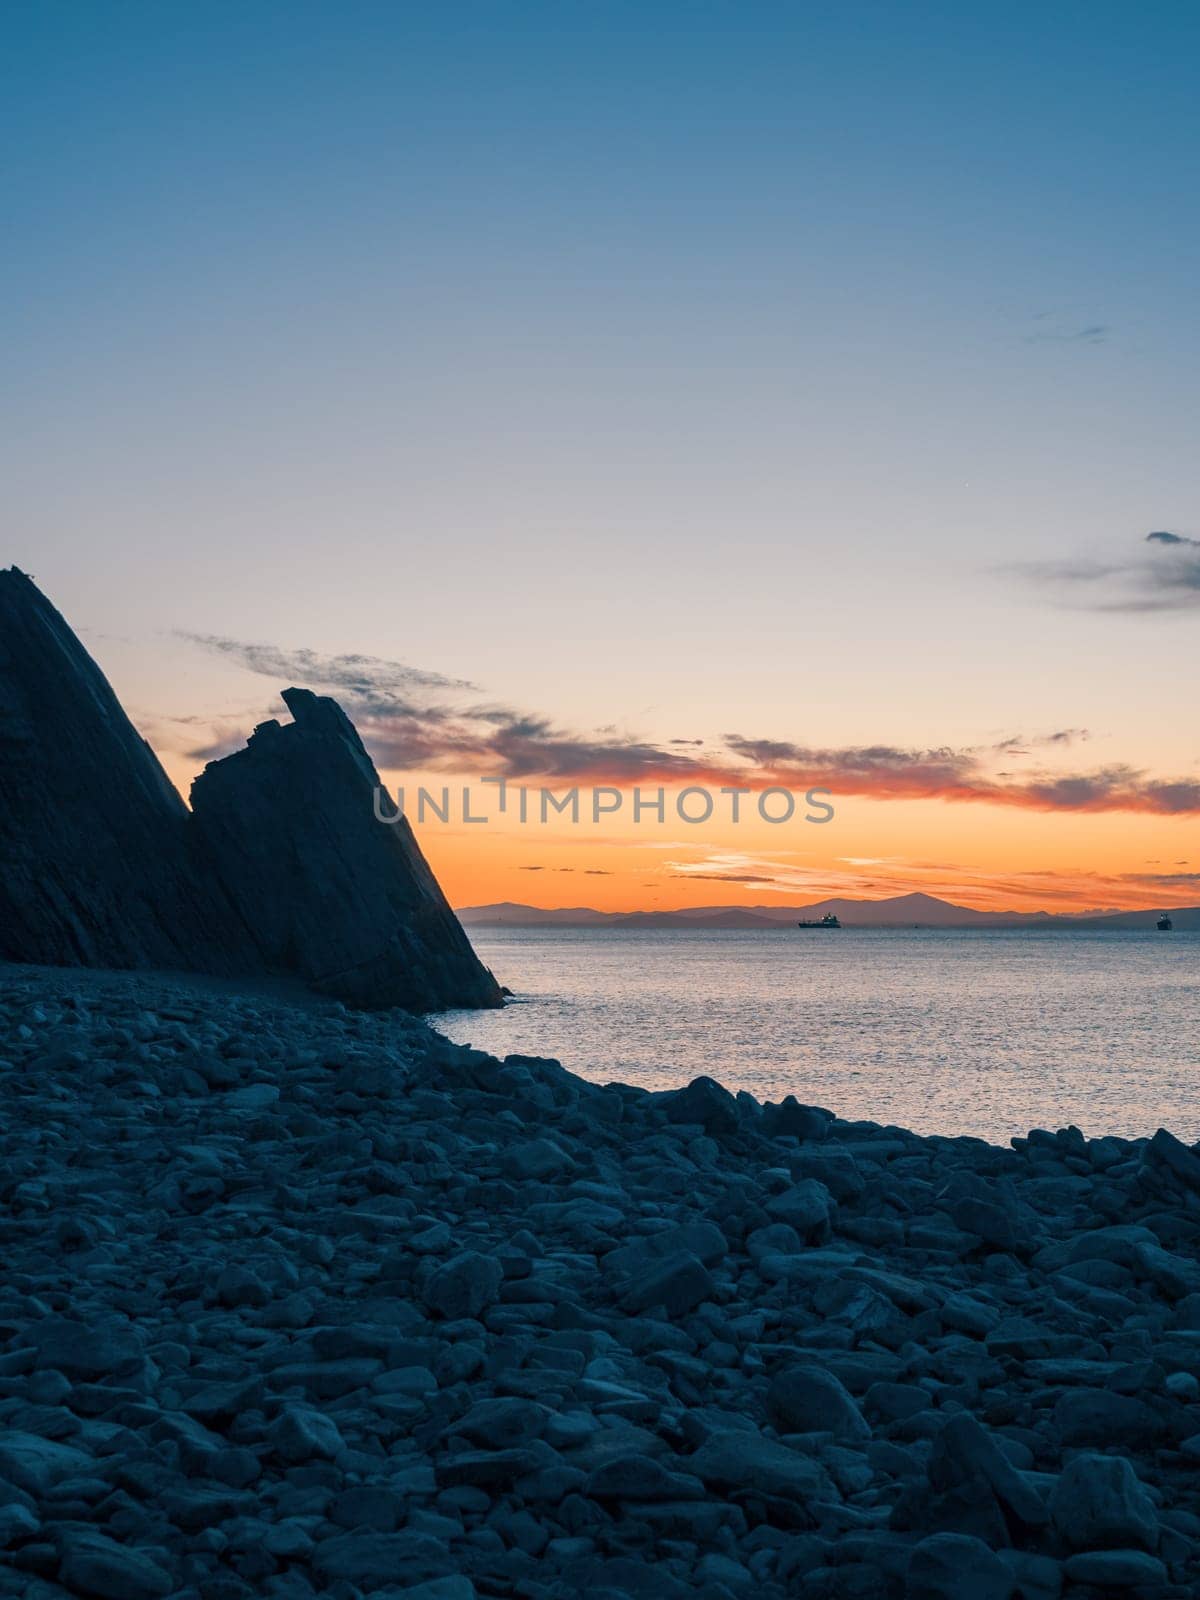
827 921
1164 923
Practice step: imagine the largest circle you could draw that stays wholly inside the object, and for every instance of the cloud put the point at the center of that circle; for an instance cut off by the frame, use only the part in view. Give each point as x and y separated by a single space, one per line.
369 678
1164 578
1162 536
725 877
416 721
887 772
1091 333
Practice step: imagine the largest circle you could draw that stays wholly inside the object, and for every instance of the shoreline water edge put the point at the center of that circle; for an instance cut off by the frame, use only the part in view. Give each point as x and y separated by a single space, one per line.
302 1301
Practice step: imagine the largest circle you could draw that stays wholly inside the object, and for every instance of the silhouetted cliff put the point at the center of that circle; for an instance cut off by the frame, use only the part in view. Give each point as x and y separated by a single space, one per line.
282 869
343 900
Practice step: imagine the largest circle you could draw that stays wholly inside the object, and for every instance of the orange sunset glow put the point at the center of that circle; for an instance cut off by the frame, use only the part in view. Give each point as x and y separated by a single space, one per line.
1051 823
989 858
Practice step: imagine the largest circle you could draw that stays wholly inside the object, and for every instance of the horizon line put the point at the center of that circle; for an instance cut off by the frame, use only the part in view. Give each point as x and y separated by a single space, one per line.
1157 907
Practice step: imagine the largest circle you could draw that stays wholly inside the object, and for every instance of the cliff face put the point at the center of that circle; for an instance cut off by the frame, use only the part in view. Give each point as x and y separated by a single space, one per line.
345 901
97 866
281 870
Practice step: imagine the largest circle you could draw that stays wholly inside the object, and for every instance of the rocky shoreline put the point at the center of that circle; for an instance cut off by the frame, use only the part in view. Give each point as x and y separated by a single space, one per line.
299 1301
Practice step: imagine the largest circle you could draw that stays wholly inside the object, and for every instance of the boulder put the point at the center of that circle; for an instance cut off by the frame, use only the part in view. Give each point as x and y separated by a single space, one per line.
1122 1571
36 1464
678 1281
807 1399
503 1420
1099 1504
1165 1153
954 1566
965 1452
807 1207
301 1434
833 1166
706 1103
701 1239
790 1119
993 1224
92 1564
372 1560
1090 1416
741 1460
463 1286
640 1477
535 1160
81 1351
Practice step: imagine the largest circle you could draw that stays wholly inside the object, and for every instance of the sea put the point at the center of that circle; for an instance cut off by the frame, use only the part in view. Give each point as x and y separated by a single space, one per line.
982 1032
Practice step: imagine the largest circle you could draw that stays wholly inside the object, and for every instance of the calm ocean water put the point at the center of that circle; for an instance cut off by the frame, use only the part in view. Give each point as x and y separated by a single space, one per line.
987 1033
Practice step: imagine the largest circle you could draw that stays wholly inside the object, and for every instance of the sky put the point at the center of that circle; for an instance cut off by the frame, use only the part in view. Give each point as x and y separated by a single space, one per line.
781 395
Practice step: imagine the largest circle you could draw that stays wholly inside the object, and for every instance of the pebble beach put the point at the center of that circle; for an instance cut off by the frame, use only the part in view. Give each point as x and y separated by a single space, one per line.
299 1301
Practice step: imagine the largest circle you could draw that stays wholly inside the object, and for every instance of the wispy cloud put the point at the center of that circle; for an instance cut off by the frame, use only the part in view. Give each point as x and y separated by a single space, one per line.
1164 536
1093 333
1018 745
415 721
1163 577
1059 327
730 877
370 679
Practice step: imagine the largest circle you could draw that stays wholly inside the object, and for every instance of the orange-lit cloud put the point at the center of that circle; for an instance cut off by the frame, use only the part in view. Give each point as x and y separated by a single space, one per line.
413 720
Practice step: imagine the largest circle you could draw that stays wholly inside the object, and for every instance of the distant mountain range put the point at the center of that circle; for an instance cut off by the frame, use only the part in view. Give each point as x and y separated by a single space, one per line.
900 911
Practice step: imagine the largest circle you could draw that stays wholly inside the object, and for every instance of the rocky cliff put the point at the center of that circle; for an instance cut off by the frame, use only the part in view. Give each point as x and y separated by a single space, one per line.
345 901
281 869
97 861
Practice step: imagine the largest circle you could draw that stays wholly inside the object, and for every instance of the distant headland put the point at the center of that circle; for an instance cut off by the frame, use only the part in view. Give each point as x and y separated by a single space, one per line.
897 911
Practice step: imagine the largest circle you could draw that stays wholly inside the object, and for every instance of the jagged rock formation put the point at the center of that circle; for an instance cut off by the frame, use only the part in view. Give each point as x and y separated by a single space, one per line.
98 866
282 869
345 901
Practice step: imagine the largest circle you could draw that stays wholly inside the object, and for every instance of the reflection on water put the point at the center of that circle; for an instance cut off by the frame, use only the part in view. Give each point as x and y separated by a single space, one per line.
988 1033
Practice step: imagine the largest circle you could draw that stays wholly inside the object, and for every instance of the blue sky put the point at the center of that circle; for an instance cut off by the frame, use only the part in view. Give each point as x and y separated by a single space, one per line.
677 367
